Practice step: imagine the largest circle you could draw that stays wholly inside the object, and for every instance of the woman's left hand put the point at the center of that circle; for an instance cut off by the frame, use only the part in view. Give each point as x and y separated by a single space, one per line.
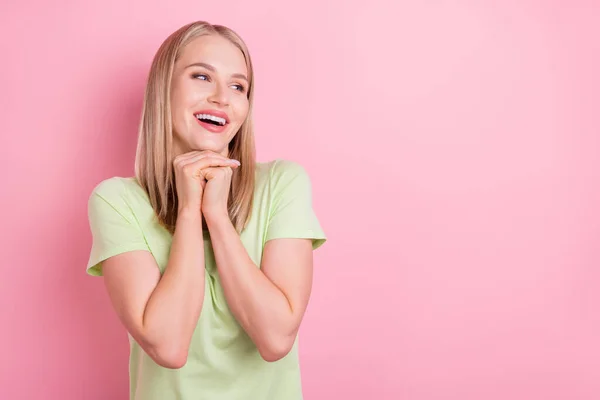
216 191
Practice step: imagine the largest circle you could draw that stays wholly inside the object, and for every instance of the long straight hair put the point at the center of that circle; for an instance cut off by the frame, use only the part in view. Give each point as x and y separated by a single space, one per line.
153 162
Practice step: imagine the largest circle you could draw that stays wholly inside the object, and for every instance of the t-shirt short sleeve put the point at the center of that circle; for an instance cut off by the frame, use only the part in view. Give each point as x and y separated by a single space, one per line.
291 213
112 223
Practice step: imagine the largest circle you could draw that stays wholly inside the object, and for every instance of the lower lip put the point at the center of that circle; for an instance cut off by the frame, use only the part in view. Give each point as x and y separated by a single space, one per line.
211 127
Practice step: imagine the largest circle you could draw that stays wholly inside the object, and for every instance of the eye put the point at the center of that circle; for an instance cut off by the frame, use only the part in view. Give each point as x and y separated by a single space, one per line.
203 77
238 88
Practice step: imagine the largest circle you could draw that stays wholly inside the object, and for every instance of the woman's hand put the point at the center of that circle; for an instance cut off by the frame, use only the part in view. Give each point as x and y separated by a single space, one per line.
191 171
216 191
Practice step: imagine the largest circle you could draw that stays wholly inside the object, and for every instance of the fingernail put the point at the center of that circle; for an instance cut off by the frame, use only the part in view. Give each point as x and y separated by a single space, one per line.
237 162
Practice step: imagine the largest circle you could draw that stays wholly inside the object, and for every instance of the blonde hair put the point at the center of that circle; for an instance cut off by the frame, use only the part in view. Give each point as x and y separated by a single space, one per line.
153 161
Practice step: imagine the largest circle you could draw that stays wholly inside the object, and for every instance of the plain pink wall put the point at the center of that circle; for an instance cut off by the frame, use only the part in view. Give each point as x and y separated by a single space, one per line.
454 150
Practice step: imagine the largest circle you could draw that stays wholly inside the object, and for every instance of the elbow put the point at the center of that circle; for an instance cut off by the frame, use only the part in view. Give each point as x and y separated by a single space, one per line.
276 348
172 362
171 357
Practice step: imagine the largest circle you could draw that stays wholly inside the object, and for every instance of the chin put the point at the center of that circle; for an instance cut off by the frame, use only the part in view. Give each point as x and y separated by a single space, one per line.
218 143
210 145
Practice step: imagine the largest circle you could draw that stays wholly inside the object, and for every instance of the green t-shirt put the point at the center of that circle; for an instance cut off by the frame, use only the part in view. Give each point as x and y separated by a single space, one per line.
223 363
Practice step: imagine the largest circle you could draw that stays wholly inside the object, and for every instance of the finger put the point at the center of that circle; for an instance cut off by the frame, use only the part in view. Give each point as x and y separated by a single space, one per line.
185 158
182 158
215 162
196 168
213 172
207 155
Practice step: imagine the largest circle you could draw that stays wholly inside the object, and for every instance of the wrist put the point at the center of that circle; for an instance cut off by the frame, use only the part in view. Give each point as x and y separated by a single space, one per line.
216 217
189 214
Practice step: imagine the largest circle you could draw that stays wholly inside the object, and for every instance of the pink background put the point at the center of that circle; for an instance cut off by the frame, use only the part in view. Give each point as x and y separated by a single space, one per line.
454 150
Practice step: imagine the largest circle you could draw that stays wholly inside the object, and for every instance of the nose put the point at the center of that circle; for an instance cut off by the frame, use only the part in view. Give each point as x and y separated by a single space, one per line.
219 95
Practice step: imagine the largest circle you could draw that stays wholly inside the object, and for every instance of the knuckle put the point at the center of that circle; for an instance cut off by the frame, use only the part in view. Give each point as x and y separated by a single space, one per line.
187 169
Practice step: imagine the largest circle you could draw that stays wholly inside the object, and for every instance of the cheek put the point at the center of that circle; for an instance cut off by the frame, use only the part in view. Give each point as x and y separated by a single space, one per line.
177 103
181 107
242 107
184 96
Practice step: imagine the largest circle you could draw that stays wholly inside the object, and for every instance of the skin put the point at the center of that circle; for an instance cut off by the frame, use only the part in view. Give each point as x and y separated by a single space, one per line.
161 313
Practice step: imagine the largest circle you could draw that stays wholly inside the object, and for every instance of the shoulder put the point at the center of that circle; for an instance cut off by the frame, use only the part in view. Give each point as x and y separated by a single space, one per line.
280 170
109 187
117 191
284 177
115 186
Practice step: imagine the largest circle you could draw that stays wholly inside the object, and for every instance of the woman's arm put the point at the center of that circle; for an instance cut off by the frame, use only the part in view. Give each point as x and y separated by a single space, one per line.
269 303
161 313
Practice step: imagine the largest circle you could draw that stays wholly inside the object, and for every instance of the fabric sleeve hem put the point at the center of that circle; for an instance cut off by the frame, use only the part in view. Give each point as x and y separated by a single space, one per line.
318 239
94 267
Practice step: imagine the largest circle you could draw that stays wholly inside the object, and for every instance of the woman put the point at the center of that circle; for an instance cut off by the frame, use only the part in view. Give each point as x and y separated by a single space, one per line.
206 254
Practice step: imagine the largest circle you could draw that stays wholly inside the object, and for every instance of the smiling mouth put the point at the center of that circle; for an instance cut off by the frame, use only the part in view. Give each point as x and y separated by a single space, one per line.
211 119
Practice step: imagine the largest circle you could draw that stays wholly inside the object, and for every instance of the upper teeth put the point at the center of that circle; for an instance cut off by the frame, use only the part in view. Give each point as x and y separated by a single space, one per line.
212 118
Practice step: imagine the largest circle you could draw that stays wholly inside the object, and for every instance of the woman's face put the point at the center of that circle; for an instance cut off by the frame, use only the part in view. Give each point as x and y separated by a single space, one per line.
209 99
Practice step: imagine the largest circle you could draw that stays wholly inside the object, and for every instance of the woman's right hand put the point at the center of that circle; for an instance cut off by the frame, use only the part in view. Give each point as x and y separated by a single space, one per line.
190 179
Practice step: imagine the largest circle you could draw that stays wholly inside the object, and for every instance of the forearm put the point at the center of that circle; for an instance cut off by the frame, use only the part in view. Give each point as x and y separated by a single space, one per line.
260 307
172 312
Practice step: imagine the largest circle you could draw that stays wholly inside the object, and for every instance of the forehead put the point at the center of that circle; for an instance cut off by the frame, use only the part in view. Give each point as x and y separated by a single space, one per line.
215 50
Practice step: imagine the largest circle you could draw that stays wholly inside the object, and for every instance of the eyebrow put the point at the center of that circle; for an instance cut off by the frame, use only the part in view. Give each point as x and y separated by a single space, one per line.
213 69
